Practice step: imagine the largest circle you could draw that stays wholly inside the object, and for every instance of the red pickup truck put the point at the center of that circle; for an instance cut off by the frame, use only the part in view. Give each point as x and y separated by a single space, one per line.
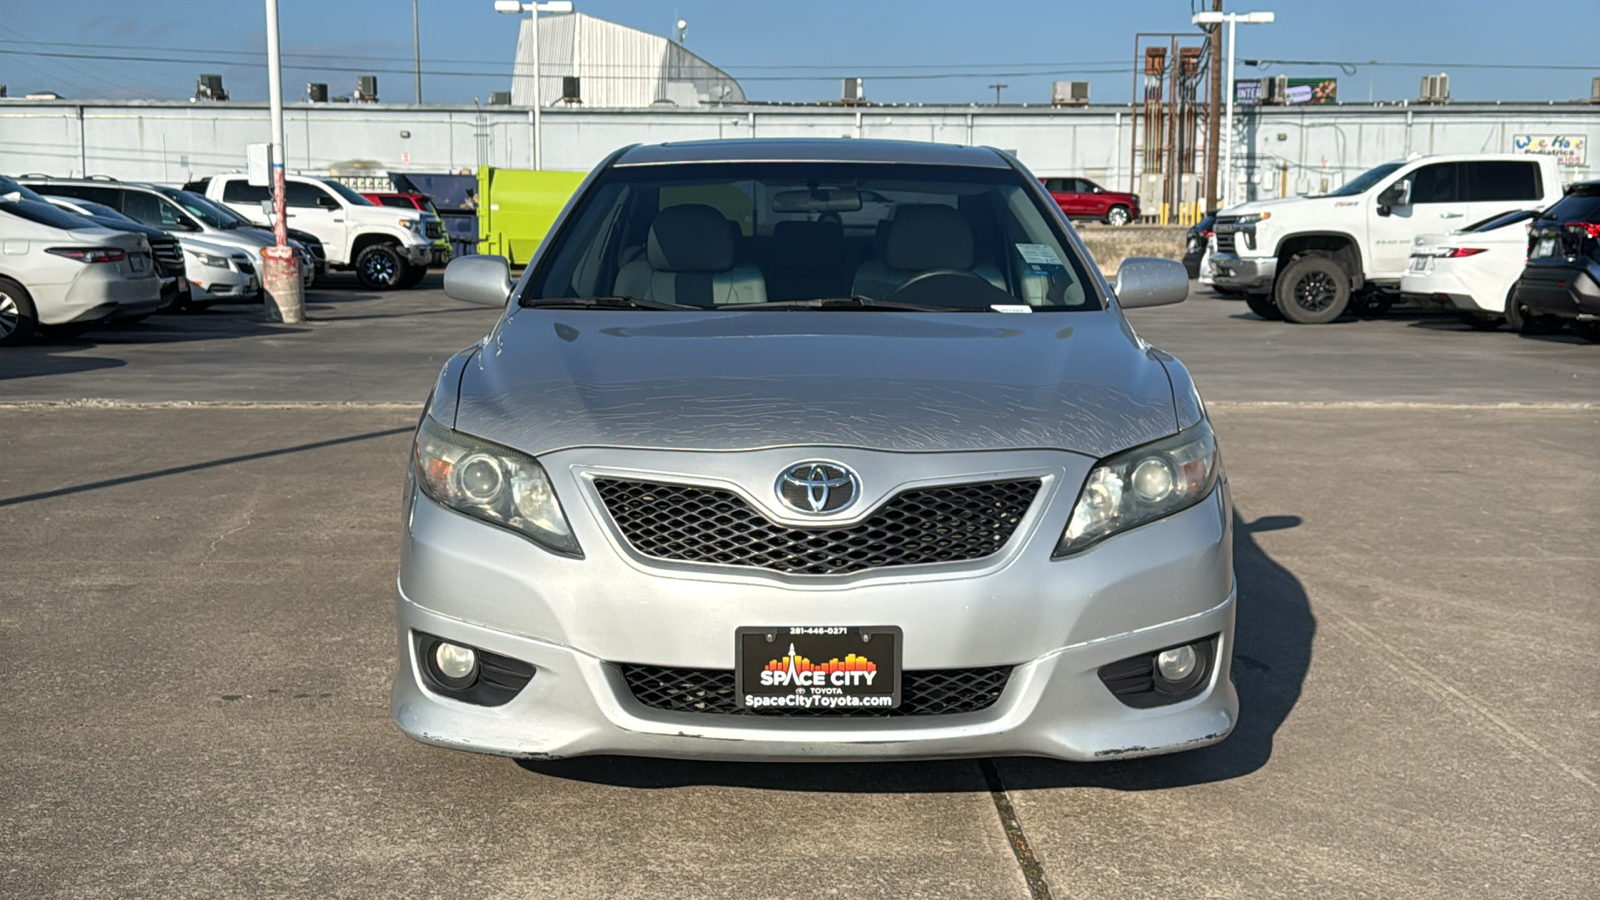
1081 198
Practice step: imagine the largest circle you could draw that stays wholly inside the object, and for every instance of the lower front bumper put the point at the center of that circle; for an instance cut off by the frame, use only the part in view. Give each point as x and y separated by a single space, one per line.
1053 706
1238 274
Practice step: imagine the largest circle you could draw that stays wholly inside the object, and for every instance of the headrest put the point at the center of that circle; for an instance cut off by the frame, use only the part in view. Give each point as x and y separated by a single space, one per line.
928 237
808 245
690 238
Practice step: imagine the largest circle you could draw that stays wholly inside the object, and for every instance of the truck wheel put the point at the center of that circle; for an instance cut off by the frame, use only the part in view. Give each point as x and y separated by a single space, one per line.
1262 305
1117 216
1313 289
1588 329
381 267
17 317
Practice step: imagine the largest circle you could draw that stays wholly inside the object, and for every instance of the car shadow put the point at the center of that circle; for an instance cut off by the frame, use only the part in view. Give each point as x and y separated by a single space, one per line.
1272 654
32 362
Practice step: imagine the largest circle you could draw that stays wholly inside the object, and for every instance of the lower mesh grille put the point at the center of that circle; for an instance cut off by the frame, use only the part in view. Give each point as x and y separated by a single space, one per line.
949 523
929 692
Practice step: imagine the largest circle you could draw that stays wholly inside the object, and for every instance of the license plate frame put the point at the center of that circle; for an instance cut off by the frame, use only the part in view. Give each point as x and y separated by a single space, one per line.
823 677
136 263
1545 247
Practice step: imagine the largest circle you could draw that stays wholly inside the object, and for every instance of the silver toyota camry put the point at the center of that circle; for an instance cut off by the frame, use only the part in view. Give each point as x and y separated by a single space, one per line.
809 450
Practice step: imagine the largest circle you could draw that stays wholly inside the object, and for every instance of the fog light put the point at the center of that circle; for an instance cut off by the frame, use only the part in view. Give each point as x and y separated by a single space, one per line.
1174 665
454 662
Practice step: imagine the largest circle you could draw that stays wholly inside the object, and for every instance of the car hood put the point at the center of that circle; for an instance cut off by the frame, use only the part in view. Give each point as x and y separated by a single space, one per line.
722 380
245 239
1274 206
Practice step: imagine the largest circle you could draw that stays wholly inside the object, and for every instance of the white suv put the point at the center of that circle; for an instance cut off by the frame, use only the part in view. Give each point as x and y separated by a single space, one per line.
387 248
1302 258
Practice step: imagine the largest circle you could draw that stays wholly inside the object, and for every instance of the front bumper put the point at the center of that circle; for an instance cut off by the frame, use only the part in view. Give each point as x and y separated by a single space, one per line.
423 254
1056 621
1240 274
225 285
1567 291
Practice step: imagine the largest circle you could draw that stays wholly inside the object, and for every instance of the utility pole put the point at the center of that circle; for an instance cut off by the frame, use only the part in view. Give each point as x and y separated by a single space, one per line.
996 88
1214 108
416 49
280 275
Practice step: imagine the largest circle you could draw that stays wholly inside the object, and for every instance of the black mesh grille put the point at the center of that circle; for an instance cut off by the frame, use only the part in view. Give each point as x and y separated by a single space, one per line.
705 525
168 255
244 265
1225 241
931 692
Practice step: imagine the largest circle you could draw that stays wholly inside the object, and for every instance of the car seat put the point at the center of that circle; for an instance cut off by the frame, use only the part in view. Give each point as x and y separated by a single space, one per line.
919 238
689 258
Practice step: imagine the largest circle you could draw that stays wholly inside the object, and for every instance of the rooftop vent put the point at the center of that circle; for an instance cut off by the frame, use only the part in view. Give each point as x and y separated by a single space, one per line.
1435 88
854 92
500 98
209 87
1069 93
367 88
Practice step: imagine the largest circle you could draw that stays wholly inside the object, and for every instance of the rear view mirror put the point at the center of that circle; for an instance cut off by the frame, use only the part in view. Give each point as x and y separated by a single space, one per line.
1148 281
484 280
816 201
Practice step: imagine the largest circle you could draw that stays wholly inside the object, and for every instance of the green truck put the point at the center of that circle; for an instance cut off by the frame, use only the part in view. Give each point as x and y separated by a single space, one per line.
517 206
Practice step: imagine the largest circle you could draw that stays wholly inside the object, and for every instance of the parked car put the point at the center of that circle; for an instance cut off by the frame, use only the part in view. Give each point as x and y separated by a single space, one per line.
165 251
1305 258
387 248
1471 271
177 212
1081 198
918 496
1195 242
61 273
308 251
1561 282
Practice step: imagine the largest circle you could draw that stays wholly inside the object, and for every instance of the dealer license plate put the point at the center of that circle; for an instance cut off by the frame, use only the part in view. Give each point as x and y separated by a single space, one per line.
825 669
1545 247
136 262
1421 264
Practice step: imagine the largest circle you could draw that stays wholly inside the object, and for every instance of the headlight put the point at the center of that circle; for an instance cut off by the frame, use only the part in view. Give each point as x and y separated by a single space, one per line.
410 224
216 262
1141 485
1252 218
489 482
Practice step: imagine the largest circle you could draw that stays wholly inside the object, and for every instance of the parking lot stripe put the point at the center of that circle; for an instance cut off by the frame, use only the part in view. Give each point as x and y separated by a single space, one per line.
1032 871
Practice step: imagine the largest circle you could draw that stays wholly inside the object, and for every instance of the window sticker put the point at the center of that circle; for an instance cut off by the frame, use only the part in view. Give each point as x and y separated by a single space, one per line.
1039 254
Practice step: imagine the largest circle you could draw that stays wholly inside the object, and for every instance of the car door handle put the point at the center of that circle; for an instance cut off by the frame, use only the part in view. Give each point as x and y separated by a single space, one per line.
1451 215
338 220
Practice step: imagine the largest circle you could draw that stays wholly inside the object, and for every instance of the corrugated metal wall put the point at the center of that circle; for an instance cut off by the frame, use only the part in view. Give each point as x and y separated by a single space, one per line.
618 67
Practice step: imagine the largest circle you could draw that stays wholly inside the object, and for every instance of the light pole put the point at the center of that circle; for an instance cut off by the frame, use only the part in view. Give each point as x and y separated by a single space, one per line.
515 7
996 88
416 50
280 276
1214 18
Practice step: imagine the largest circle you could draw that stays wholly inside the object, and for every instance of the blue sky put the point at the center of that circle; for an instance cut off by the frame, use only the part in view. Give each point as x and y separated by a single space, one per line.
797 51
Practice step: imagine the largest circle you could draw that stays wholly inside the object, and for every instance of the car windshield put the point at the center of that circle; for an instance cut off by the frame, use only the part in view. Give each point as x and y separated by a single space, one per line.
202 209
860 235
1501 220
1364 182
350 196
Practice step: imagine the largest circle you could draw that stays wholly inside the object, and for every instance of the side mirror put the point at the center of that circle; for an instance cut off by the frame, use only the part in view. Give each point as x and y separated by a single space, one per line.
1397 194
326 202
1148 281
1099 190
484 280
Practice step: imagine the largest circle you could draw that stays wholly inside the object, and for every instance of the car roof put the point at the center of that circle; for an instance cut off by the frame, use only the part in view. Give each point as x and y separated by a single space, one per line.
811 150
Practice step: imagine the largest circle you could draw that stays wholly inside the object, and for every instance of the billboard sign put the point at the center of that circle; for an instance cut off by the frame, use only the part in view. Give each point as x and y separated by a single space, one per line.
1300 90
1568 149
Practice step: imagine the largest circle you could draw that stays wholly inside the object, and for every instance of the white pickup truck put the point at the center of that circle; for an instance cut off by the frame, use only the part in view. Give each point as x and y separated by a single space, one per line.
388 248
1303 258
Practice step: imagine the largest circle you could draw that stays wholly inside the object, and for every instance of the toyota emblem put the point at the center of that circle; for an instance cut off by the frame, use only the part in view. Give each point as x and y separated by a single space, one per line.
818 488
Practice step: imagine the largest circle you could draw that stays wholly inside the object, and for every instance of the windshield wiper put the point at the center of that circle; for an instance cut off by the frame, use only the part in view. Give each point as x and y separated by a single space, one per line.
857 301
604 303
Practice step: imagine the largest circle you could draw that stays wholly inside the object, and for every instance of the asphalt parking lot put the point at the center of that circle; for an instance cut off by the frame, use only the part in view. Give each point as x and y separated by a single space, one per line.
199 517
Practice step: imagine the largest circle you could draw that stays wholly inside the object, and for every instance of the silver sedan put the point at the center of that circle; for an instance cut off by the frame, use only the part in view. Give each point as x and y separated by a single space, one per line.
815 450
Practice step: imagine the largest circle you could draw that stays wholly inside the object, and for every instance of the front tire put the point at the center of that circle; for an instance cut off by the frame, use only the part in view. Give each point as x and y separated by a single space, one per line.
1313 289
1262 305
18 320
1118 216
381 267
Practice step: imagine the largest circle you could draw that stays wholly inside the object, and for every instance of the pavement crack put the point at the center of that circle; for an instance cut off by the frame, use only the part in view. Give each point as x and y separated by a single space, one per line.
1032 871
